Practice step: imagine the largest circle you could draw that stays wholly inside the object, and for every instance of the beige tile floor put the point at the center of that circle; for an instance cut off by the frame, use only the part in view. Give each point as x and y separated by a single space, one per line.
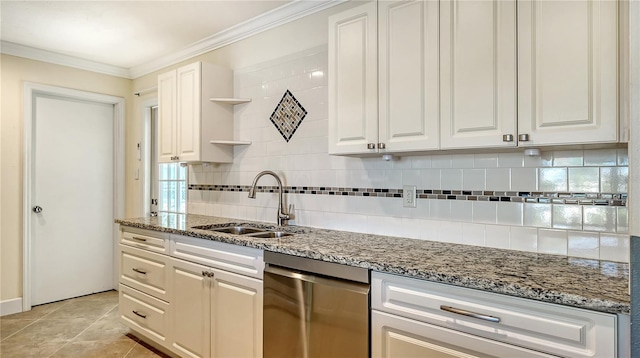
83 327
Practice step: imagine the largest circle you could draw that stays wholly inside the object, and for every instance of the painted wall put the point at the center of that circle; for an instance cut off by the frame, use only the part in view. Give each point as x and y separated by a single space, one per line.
15 71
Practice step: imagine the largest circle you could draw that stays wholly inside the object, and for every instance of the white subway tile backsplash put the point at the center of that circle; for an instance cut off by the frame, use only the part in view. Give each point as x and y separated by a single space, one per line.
545 159
524 239
599 218
450 232
584 180
623 157
474 179
567 217
440 209
484 212
614 179
583 244
481 161
524 179
622 223
451 179
537 215
510 160
497 236
552 242
498 179
600 157
614 247
552 179
569 158
441 161
510 213
534 227
473 234
461 210
462 161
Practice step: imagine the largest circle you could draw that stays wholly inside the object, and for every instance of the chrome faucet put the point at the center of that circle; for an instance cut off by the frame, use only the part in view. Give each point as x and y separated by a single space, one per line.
283 216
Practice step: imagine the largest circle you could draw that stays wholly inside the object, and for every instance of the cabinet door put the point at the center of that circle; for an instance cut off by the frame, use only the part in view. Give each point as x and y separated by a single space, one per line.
478 73
395 337
166 136
190 318
567 71
236 310
189 112
353 84
408 74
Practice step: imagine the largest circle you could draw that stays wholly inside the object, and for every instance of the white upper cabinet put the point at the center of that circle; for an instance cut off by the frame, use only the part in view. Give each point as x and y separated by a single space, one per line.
411 76
567 72
478 105
408 75
353 81
189 121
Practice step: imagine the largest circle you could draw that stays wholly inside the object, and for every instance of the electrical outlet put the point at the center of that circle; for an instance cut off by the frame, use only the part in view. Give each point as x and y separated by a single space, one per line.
409 196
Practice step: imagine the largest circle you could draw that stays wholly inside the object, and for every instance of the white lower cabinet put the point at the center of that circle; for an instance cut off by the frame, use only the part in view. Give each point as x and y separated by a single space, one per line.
206 303
395 336
214 313
414 317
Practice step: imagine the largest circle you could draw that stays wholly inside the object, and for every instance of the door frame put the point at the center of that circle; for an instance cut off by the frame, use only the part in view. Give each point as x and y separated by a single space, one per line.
31 90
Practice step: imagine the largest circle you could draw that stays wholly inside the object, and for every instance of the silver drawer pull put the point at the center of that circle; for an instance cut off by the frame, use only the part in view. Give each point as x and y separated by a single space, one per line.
470 314
139 238
139 314
139 271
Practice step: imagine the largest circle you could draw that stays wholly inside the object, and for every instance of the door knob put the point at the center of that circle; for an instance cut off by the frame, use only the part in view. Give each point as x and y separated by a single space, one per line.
37 209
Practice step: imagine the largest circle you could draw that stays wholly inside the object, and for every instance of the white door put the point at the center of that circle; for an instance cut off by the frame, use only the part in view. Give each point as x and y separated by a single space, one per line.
567 72
73 174
408 75
353 81
478 74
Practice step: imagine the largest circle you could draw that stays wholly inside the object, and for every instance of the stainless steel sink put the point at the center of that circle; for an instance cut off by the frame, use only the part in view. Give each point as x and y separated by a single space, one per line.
237 230
247 231
270 234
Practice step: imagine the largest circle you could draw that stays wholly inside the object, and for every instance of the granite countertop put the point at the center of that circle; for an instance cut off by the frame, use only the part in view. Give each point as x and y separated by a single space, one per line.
584 283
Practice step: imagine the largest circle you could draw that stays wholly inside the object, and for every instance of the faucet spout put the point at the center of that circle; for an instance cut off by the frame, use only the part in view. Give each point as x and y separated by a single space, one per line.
283 215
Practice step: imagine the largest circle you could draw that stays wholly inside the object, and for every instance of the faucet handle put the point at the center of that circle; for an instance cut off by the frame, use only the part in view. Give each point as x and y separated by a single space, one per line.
290 212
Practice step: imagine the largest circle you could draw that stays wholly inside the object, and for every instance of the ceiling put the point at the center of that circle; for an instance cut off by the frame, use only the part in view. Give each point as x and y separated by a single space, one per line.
132 38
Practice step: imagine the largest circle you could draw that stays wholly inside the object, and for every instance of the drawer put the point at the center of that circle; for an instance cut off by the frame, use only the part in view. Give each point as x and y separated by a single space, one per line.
144 314
550 328
145 239
145 271
237 259
393 336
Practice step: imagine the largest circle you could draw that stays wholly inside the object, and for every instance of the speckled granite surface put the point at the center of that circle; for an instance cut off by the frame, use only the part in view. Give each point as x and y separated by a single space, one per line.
590 284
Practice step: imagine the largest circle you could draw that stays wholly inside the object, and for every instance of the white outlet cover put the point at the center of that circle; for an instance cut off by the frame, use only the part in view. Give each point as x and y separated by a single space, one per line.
409 196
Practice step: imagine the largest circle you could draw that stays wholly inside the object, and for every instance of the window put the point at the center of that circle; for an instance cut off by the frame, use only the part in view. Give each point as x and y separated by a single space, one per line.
172 188
168 180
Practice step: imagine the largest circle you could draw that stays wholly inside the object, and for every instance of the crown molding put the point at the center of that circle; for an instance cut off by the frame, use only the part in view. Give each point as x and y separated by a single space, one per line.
37 54
274 18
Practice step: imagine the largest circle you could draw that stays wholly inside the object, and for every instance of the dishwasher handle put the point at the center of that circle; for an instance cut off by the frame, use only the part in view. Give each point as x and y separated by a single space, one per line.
353 286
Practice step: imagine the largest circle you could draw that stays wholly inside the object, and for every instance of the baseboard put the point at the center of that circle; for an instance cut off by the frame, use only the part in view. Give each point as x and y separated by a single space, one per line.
11 306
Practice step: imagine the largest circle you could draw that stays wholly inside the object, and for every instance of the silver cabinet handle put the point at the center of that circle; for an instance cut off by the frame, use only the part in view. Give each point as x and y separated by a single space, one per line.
138 238
37 209
139 271
507 138
139 314
371 146
381 146
523 137
470 314
207 274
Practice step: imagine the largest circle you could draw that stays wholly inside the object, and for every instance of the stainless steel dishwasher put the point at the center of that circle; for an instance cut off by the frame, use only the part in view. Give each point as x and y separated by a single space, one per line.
314 309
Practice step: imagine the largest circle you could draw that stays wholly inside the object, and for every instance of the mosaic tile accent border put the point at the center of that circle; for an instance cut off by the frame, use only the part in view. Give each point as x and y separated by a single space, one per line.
605 199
